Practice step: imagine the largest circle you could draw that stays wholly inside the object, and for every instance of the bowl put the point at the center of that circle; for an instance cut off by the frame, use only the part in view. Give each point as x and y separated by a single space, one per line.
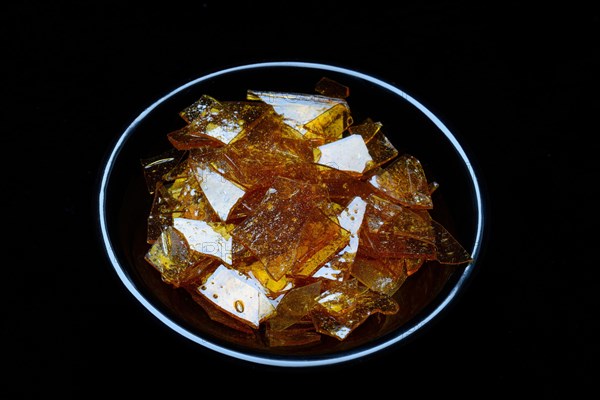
124 204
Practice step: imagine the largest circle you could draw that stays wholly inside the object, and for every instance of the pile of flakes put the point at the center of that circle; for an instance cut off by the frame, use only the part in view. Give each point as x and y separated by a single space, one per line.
281 214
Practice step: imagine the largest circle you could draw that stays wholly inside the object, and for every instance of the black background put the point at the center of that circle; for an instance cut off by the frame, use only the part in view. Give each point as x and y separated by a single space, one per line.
518 85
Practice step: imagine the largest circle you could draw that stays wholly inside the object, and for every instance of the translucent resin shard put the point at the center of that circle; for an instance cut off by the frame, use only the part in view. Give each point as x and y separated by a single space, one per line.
381 237
340 297
222 121
380 148
179 198
351 219
341 325
288 227
380 276
343 186
297 109
328 87
405 182
176 262
330 125
156 168
449 250
300 334
295 305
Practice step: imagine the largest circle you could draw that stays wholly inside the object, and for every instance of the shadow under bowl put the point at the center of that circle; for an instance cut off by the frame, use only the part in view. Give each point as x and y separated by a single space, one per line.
124 205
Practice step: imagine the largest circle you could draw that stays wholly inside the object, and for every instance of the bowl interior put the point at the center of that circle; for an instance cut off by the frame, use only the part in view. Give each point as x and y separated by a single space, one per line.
124 205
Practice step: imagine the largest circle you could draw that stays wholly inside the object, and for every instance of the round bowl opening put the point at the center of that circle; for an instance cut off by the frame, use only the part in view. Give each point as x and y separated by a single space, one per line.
124 205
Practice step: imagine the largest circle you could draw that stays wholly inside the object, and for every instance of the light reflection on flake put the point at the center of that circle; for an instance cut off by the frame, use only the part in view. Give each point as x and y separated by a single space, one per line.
343 332
238 295
331 297
297 109
347 154
221 193
204 238
327 271
288 286
350 219
224 133
373 181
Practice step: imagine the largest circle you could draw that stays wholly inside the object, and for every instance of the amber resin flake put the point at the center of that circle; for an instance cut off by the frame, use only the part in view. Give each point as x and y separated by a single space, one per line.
281 216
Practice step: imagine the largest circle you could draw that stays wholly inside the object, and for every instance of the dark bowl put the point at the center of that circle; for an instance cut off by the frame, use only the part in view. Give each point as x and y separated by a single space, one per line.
124 205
